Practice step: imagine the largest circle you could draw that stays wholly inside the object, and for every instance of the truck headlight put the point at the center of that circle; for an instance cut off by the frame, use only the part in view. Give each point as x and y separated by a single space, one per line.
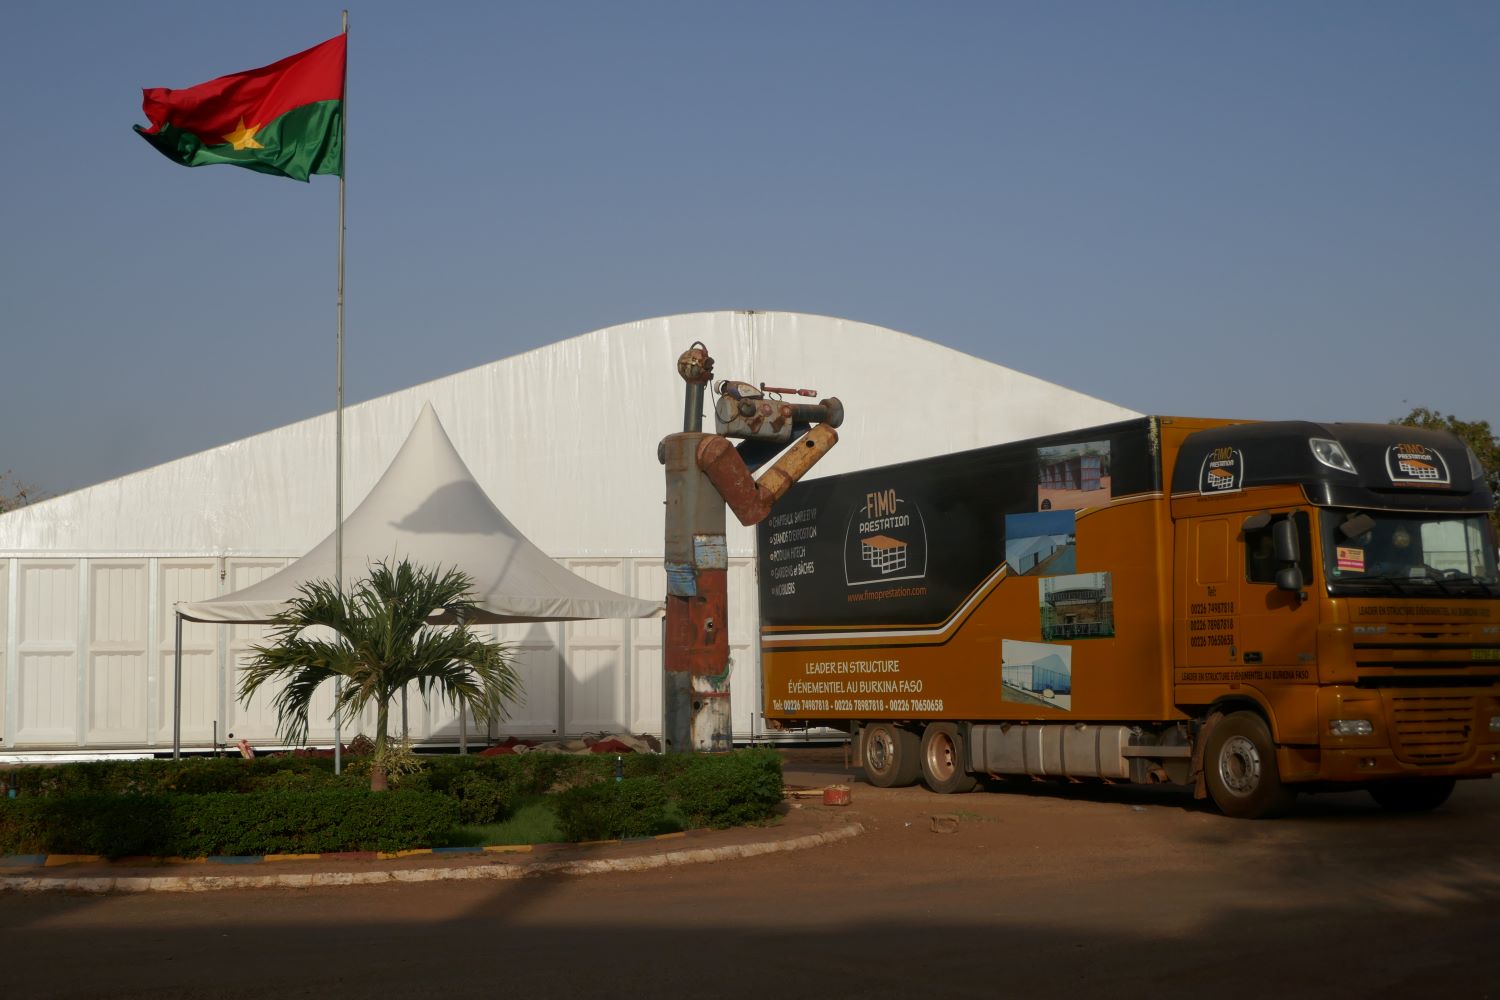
1363 727
1495 723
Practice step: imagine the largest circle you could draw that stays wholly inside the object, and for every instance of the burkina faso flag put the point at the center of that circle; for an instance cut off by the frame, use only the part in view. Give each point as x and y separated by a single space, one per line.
285 119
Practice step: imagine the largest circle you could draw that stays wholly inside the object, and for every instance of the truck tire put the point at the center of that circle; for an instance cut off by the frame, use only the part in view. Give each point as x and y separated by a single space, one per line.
889 755
1413 794
1239 767
944 760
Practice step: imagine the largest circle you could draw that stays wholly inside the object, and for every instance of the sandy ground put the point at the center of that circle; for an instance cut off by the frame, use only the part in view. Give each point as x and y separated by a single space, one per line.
1038 890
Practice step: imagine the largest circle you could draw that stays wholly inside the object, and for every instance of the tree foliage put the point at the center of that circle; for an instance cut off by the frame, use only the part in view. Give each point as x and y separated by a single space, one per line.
1474 433
381 641
14 493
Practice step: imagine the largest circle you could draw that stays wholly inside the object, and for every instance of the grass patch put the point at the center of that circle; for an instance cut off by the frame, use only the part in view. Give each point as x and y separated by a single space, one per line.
533 823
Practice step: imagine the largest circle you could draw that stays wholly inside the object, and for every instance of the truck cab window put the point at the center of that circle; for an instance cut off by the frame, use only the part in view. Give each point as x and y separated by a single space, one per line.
1260 549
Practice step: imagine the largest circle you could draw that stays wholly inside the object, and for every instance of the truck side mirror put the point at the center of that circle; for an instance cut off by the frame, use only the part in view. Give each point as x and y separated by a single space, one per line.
1284 540
1287 547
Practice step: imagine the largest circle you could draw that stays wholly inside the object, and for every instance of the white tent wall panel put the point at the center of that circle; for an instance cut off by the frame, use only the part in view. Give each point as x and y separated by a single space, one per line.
538 664
744 648
118 675
595 687
597 658
7 643
202 664
47 652
256 719
648 576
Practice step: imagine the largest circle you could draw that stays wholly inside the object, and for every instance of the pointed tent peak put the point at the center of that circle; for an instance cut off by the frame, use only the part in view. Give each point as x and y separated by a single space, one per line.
427 463
428 508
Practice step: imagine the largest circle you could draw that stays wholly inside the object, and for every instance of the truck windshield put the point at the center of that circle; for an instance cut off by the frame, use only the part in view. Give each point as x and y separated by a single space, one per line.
1384 552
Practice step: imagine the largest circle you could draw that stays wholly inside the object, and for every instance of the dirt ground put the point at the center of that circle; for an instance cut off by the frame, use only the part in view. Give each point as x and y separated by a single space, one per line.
1038 890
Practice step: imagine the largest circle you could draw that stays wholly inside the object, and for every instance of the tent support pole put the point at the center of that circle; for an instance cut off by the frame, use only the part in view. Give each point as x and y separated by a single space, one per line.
177 691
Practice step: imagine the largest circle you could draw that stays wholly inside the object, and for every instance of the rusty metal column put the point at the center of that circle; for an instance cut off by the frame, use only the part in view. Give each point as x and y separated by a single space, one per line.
696 654
697 646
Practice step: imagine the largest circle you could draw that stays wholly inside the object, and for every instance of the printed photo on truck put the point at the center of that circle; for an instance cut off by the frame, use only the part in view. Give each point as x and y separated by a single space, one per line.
1038 674
1041 544
1081 606
1073 476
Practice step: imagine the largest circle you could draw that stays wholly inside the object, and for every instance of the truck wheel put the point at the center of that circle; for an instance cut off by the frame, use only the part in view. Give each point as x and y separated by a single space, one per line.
944 761
888 755
1412 795
1239 765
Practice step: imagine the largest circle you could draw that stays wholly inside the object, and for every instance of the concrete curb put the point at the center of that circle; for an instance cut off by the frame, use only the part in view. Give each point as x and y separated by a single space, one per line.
489 870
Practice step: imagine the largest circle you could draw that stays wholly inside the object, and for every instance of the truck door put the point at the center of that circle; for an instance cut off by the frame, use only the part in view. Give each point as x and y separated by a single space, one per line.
1277 629
1231 616
1207 592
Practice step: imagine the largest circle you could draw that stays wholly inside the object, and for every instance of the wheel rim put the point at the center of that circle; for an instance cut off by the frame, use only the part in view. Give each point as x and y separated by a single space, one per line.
1239 765
879 750
942 757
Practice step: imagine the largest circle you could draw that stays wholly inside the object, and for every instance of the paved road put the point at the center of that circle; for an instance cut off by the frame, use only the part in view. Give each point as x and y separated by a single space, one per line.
1041 892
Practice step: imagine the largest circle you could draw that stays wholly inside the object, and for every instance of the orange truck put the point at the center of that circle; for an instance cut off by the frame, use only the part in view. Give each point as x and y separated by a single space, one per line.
1248 609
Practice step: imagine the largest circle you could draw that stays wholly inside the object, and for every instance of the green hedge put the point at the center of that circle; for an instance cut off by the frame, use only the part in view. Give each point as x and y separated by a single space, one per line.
229 823
729 789
679 791
191 776
607 810
286 803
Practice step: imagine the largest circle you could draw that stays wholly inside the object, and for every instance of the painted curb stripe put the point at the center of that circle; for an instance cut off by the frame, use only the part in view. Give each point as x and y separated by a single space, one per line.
208 883
55 860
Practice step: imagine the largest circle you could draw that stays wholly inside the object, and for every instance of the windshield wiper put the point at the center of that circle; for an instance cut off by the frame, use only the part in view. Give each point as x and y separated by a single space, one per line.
1398 582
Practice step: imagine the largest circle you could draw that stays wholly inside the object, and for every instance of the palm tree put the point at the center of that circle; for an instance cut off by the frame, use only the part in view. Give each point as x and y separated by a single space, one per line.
382 641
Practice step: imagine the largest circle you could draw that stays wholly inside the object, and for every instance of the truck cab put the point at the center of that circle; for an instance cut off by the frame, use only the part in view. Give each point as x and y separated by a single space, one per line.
1336 612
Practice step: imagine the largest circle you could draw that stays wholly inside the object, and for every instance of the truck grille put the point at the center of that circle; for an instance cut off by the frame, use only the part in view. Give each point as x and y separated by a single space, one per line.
1441 652
1430 729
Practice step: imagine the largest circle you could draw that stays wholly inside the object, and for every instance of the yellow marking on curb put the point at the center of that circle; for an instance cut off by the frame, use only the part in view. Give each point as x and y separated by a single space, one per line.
671 836
391 855
596 843
53 860
507 849
292 857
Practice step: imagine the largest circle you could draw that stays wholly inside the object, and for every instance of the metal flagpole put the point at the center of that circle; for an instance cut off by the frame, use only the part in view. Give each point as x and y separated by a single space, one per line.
338 408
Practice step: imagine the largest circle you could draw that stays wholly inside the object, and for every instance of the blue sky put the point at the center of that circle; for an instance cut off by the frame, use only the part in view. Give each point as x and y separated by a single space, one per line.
1252 210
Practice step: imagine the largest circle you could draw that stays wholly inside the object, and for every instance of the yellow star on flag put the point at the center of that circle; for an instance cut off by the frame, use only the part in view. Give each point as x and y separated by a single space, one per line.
244 138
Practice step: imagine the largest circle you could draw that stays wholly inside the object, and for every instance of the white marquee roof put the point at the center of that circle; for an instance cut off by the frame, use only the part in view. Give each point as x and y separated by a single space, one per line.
562 438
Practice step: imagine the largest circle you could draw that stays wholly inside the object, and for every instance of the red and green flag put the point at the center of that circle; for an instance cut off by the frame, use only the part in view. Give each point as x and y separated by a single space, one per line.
285 119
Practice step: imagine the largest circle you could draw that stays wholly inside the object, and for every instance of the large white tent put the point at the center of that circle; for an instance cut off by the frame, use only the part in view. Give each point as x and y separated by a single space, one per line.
562 439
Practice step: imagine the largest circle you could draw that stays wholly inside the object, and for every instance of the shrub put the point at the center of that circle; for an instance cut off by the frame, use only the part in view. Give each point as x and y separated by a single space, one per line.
267 822
481 799
122 799
605 810
729 789
191 776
